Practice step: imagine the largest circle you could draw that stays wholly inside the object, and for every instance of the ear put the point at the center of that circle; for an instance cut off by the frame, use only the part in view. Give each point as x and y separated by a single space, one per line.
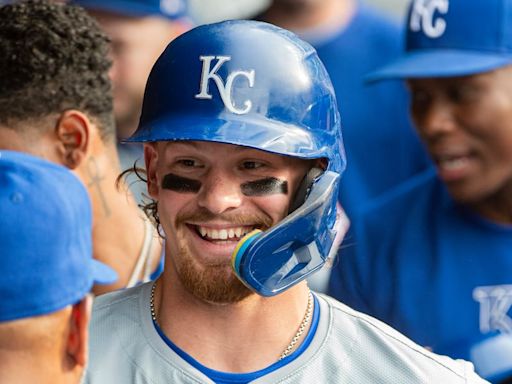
151 160
73 131
78 339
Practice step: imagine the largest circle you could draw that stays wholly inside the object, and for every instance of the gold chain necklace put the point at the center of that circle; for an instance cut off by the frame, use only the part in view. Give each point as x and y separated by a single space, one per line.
302 327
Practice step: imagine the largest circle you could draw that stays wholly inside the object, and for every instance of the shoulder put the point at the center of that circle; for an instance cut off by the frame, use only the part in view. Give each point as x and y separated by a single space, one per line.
399 200
115 300
115 331
114 314
373 349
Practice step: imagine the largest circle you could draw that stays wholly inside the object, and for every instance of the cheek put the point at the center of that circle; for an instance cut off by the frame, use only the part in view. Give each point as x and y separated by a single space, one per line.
170 204
275 206
500 145
495 130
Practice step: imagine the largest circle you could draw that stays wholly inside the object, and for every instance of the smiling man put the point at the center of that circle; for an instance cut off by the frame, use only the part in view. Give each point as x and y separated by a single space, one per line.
434 257
244 155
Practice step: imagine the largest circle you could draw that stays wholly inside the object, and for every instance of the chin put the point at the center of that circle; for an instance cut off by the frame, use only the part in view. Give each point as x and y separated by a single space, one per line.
468 196
210 283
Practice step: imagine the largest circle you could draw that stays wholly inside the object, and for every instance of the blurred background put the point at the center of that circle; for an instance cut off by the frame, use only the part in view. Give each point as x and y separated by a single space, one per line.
208 11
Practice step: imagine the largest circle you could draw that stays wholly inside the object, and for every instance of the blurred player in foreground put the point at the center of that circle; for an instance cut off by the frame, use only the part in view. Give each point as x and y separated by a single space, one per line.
47 271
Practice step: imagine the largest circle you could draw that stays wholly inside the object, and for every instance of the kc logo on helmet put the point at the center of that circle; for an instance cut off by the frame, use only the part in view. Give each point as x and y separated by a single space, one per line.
423 17
225 90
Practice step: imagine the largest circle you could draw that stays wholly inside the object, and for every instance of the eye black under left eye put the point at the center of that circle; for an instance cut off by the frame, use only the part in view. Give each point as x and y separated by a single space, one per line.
266 186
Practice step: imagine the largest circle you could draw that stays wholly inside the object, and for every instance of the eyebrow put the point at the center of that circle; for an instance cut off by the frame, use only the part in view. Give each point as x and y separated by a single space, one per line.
186 143
195 144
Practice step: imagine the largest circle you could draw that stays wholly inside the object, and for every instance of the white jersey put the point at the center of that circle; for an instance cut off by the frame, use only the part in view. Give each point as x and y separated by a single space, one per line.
348 347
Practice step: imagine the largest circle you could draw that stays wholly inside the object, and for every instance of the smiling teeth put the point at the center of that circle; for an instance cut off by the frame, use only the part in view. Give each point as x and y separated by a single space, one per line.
453 163
223 234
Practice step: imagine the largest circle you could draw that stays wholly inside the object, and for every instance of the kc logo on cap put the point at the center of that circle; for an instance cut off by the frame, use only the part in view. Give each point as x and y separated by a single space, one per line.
425 17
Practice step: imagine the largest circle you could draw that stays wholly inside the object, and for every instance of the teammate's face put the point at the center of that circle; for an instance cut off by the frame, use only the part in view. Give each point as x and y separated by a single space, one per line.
466 123
136 44
209 195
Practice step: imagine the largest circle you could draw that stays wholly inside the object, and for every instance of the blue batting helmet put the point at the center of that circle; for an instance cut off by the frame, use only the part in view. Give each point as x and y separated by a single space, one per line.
253 84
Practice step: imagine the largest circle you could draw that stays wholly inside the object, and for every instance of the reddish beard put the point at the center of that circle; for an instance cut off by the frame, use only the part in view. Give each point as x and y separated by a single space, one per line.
215 282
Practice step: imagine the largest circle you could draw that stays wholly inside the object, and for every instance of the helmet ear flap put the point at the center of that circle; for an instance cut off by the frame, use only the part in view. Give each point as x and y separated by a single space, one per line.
304 188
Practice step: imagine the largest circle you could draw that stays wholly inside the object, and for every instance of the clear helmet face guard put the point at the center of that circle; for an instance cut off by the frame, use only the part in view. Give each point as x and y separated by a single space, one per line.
272 261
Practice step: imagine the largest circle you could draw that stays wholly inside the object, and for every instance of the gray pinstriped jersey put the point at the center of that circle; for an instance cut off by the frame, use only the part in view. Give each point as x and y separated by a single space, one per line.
348 347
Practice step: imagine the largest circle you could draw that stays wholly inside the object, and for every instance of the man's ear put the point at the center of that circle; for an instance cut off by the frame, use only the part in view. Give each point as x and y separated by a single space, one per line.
78 338
151 159
73 131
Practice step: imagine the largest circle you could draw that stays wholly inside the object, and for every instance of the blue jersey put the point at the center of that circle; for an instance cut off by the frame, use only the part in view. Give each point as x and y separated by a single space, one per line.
381 145
428 267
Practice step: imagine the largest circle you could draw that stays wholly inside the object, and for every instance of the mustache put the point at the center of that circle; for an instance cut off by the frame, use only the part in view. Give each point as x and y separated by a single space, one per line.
260 220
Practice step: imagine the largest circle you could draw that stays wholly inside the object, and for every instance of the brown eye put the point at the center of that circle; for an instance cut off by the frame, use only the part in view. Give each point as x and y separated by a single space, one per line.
251 164
463 93
189 163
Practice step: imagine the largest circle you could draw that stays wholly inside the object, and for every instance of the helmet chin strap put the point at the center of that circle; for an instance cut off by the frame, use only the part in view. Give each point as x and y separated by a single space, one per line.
272 261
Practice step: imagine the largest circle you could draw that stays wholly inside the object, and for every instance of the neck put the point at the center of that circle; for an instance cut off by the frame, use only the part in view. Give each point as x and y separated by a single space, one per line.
118 224
35 367
241 337
497 208
299 15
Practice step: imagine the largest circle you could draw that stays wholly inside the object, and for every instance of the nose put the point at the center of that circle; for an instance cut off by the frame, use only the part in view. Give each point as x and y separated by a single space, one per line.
435 119
220 193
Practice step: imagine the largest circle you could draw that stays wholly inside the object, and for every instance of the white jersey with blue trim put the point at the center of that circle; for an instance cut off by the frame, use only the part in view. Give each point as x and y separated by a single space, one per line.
348 347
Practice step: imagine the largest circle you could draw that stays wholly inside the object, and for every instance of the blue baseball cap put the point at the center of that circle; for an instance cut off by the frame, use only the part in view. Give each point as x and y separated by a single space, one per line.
46 259
171 9
447 38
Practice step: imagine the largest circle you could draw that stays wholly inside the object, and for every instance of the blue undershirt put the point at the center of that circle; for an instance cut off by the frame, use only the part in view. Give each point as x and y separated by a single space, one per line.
241 378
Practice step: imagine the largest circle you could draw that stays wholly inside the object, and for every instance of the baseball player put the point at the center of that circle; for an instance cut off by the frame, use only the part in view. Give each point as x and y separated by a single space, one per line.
47 271
244 156
56 102
433 258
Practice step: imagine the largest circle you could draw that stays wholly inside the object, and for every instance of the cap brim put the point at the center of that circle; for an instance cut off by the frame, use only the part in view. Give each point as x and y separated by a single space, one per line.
438 63
102 273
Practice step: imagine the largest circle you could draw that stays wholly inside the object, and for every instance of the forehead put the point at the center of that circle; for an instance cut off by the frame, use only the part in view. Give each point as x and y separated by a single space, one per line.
207 147
218 152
